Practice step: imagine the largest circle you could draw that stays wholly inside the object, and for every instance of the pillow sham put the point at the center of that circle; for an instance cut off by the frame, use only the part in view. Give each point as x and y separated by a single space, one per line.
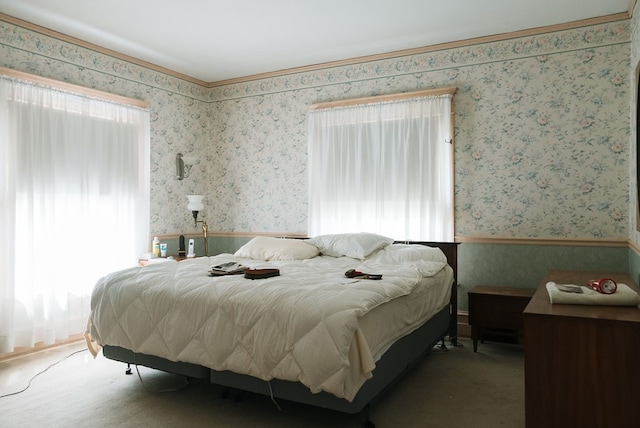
401 253
354 245
427 260
269 248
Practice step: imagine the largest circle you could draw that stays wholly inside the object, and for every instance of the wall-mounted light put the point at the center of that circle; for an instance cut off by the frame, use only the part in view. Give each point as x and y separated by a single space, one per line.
183 165
195 205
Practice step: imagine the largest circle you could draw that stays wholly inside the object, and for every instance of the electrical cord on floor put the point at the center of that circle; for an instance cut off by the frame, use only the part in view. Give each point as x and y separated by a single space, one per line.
41 372
272 397
186 382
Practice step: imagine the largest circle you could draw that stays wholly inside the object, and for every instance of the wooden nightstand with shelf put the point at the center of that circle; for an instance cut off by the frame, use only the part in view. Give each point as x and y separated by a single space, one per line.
497 311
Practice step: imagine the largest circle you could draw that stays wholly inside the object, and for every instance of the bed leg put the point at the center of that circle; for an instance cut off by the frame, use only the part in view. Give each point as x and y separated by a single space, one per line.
454 340
443 345
367 420
128 370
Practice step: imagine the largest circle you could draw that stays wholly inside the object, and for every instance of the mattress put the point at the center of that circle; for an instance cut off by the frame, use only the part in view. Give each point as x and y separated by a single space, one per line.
311 324
387 323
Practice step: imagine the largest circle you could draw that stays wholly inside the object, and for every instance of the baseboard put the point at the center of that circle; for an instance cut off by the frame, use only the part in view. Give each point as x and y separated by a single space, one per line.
39 347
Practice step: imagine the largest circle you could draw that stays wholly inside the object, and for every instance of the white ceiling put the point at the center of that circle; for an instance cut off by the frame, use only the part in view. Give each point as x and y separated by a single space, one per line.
214 40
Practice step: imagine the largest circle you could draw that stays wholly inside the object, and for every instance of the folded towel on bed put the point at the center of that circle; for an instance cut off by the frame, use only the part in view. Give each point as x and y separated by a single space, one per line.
624 296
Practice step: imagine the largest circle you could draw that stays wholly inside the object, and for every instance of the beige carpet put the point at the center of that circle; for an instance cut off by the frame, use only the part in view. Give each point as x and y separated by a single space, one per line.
456 388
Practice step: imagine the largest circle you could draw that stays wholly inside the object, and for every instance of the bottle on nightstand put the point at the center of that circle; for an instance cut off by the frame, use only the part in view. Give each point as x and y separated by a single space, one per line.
192 248
181 248
155 248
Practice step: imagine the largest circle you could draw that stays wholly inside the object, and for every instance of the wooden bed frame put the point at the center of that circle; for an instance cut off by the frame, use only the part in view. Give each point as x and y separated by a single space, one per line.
394 363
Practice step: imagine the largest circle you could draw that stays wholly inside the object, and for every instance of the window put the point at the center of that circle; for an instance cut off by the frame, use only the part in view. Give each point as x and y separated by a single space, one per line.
75 205
383 167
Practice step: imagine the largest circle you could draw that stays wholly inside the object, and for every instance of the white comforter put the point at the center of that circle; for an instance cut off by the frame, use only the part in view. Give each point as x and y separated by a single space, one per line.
300 326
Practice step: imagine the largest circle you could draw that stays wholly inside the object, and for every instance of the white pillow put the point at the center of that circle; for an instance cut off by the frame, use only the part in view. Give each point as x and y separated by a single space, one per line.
269 248
400 253
427 260
355 245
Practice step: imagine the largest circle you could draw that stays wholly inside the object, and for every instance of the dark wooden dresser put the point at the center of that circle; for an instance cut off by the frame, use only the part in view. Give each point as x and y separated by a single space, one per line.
582 363
497 311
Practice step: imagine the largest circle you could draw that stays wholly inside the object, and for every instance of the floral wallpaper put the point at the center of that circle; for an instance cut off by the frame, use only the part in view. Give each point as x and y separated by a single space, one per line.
541 146
542 134
547 152
634 213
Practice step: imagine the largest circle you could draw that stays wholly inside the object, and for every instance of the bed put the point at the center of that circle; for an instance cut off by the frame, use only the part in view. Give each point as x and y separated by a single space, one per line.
312 334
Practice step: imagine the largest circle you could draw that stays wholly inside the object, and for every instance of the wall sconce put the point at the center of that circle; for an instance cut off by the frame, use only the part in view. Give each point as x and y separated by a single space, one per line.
195 205
183 165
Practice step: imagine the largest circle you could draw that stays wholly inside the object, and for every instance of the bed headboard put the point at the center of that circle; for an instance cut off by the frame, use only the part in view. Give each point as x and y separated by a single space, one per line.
450 249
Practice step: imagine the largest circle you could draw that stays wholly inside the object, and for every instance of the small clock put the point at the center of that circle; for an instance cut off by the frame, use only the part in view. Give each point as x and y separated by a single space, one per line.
603 285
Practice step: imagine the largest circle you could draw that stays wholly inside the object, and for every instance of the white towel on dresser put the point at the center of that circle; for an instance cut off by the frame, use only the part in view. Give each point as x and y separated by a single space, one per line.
624 296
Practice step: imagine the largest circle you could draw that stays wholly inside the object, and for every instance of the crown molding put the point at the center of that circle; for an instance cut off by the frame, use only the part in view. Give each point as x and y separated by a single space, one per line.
431 48
96 48
331 64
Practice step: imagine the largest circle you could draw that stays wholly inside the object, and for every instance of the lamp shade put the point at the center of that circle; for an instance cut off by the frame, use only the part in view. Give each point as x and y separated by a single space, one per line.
195 202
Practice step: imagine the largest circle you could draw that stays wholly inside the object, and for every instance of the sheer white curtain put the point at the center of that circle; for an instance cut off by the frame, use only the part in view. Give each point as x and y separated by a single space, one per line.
384 167
75 205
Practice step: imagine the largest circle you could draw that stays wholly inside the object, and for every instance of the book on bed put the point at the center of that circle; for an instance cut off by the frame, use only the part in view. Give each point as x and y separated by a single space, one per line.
229 268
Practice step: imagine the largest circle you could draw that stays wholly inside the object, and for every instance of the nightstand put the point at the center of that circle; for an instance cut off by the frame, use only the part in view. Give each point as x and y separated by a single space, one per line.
497 311
143 262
